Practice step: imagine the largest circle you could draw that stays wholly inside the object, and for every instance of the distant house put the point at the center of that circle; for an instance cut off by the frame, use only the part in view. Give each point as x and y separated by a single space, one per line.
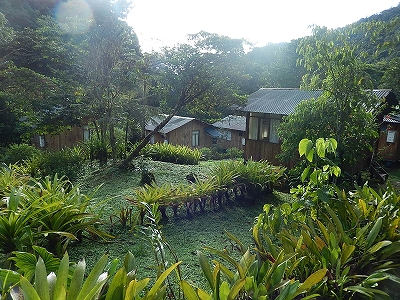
183 131
388 143
68 138
232 131
264 111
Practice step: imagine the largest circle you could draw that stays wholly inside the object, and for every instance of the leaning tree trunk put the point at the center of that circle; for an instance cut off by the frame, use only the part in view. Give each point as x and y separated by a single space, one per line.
135 153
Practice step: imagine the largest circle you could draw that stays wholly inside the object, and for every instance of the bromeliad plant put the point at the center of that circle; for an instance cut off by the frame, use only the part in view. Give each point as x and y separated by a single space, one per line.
251 277
354 237
52 211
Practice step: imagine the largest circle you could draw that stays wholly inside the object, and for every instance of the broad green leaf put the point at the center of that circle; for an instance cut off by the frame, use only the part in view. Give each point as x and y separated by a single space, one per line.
305 145
310 155
347 251
135 287
277 275
378 246
62 276
203 295
160 279
117 285
320 146
188 291
374 232
236 289
304 174
91 281
28 290
205 266
41 284
311 280
77 280
224 290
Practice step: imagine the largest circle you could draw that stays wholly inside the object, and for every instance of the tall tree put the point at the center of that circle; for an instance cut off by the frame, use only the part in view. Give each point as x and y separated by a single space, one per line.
347 108
198 76
112 50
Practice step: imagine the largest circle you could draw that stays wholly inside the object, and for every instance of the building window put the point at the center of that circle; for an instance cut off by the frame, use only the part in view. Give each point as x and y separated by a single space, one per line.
264 129
226 134
86 133
253 128
195 138
42 142
273 131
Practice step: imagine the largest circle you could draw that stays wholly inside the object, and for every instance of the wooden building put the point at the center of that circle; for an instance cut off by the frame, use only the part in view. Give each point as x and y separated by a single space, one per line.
388 148
183 131
264 111
68 138
232 131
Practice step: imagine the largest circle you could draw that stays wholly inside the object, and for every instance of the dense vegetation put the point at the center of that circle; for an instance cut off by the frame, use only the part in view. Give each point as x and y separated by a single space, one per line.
326 239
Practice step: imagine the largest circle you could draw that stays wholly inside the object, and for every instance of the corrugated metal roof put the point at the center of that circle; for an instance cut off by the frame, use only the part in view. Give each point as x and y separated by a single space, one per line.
283 101
278 101
391 118
174 123
232 122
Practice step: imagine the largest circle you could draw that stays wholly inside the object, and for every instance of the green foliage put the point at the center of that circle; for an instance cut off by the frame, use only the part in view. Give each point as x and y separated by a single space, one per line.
250 277
95 149
54 211
216 153
10 177
347 108
19 153
172 153
319 171
66 162
353 237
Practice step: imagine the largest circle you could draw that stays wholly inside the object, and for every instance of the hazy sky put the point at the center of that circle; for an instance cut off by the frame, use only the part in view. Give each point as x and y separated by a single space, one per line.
167 22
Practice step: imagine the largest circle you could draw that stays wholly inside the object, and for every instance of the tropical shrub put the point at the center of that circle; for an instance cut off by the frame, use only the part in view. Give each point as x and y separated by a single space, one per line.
172 153
47 277
354 237
217 153
66 162
19 153
52 211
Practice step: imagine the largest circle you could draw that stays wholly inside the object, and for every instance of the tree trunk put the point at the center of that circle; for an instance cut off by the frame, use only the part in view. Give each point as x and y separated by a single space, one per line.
135 153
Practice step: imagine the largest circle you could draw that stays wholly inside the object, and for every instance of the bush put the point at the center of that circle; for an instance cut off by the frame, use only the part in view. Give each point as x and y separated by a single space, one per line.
217 153
67 162
18 153
172 153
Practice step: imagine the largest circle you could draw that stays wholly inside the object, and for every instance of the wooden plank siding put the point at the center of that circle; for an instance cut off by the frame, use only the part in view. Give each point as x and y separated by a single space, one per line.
66 139
262 150
236 140
183 135
389 151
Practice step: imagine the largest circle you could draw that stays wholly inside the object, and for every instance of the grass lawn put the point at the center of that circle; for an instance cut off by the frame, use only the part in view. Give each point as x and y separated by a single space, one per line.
184 235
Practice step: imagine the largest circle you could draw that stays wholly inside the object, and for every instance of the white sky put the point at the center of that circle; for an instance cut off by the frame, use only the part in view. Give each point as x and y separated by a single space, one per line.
161 23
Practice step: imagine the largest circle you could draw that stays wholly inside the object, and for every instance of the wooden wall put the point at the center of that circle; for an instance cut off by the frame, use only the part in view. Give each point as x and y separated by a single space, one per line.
236 140
67 138
262 150
386 150
183 135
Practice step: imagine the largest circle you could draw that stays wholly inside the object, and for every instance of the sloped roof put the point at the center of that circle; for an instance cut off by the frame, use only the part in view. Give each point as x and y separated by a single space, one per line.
232 122
391 118
282 101
174 123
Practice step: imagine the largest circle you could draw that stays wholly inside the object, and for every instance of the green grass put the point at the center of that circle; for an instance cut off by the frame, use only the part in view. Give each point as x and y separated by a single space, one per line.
184 235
